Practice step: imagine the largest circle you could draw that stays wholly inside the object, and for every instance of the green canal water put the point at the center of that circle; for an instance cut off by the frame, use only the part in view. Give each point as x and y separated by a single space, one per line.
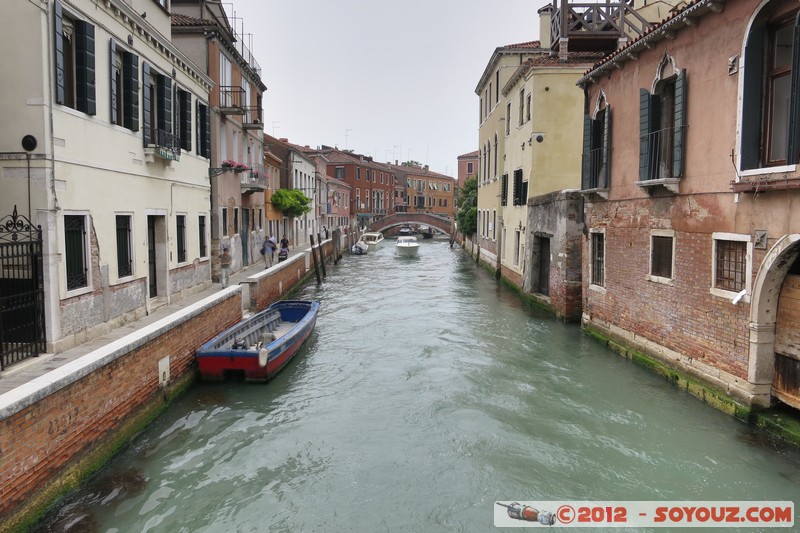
426 393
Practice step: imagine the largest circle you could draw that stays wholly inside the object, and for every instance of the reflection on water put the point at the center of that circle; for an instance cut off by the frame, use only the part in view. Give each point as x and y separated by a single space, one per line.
426 393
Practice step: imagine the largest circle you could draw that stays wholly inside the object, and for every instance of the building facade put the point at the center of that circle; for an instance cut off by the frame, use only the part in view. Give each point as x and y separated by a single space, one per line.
103 146
692 244
205 33
425 191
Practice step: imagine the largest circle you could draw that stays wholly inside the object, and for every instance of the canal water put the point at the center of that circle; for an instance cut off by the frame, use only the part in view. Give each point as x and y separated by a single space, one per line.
426 393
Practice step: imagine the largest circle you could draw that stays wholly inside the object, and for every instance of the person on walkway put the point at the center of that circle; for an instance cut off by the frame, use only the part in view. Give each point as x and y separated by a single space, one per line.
274 243
285 243
225 261
267 251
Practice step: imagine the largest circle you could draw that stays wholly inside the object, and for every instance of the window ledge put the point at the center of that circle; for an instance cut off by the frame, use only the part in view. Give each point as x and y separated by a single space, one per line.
671 184
597 288
763 183
728 295
78 292
662 281
602 192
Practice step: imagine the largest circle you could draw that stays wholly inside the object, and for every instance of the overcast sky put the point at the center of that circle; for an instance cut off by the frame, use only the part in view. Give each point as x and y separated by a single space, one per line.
394 80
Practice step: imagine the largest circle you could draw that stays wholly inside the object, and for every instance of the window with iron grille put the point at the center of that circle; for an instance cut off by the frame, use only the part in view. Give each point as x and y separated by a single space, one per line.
180 237
124 252
75 251
731 265
661 256
598 259
202 235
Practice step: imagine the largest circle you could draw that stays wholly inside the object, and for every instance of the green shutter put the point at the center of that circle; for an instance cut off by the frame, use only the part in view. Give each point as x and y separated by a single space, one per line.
130 87
164 103
61 96
113 80
186 120
752 99
679 140
84 68
644 134
794 99
147 119
604 177
586 167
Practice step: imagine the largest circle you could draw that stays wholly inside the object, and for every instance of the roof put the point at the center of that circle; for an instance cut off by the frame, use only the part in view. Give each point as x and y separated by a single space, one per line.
187 21
470 155
673 23
530 47
573 59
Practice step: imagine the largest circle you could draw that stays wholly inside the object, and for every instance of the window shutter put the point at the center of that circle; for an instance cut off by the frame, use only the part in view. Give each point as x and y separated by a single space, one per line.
186 118
147 119
679 141
198 132
164 102
84 67
207 136
113 80
59 41
586 168
130 86
644 137
752 99
794 99
504 190
605 168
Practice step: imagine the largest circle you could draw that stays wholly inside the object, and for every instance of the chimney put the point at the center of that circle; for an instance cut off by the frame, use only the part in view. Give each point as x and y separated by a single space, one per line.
545 18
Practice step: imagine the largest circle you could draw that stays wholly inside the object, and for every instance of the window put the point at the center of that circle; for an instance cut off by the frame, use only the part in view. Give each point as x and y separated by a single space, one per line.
124 251
470 167
771 96
124 88
180 237
520 189
203 122
202 235
496 152
508 118
235 220
528 108
662 245
661 129
596 156
157 110
358 198
75 62
504 190
497 85
224 221
366 198
358 173
730 265
597 264
490 95
339 173
517 240
75 251
183 118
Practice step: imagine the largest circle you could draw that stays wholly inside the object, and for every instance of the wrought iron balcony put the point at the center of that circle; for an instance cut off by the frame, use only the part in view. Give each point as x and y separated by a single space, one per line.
167 146
593 26
231 100
252 118
254 180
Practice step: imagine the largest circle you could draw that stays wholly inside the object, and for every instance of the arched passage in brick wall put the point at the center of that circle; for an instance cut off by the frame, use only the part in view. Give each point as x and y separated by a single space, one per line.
763 315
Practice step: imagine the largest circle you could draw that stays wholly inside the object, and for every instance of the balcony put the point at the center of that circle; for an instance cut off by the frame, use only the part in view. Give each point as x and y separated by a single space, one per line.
656 165
595 173
231 100
252 118
166 147
254 180
593 26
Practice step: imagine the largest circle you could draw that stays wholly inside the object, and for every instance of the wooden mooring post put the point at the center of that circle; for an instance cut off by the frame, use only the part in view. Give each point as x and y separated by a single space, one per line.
314 255
322 257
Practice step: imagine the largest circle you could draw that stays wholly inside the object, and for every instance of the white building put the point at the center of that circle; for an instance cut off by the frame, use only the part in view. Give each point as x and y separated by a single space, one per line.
117 177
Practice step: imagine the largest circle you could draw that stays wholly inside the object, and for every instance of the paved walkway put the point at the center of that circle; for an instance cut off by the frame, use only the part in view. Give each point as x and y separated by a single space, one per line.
35 367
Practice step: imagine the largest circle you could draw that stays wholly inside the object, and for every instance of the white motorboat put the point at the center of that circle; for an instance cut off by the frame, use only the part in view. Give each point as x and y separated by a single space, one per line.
373 239
407 245
359 248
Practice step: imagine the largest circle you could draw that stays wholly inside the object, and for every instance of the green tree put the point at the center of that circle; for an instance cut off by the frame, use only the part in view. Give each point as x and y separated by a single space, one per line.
291 202
467 216
411 163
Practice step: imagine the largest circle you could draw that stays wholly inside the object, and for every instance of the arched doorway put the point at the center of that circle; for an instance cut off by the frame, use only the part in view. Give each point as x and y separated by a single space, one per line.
774 367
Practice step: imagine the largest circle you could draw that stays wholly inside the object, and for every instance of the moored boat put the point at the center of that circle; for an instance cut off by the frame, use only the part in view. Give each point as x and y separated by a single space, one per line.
359 248
373 239
407 245
426 232
259 346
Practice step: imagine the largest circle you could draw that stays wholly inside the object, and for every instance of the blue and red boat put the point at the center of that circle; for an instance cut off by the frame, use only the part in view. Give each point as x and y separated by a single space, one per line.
258 347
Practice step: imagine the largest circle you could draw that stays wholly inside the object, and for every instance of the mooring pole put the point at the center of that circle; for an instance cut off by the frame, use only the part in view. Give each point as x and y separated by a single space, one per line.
314 255
322 257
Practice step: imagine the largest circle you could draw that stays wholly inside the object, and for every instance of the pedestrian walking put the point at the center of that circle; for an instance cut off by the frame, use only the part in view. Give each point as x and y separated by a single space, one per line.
225 261
285 243
267 250
274 242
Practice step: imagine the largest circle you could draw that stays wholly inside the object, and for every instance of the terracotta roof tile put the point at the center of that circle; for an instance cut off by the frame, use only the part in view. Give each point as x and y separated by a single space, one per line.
186 20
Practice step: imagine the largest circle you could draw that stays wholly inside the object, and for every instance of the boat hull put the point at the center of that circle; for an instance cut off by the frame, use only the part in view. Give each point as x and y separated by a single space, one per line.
218 359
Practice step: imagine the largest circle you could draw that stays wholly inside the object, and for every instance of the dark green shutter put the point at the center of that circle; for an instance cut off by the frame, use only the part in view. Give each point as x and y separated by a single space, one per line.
130 84
679 140
504 190
794 102
164 99
84 68
147 119
186 120
198 132
113 80
644 134
752 99
586 167
60 43
605 169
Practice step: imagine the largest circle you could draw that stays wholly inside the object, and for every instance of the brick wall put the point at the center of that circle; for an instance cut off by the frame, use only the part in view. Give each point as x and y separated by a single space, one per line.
61 426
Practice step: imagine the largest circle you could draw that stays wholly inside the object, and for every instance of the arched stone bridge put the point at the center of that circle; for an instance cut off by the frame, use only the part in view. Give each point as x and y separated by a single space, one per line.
442 224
